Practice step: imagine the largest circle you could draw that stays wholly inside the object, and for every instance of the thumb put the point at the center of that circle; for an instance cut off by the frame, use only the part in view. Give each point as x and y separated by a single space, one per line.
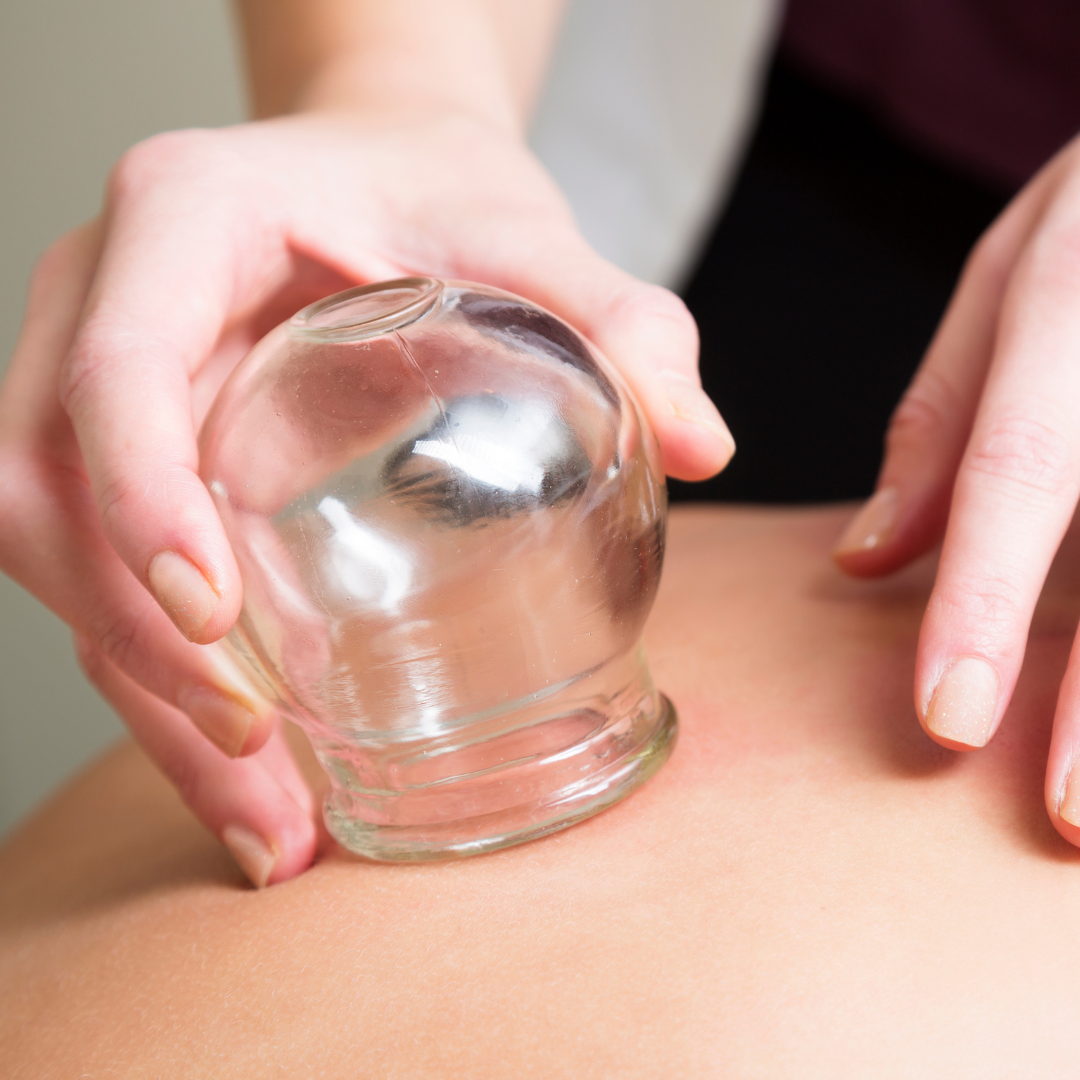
645 331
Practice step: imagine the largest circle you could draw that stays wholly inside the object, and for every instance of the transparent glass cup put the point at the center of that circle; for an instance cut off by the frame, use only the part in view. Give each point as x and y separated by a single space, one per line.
449 519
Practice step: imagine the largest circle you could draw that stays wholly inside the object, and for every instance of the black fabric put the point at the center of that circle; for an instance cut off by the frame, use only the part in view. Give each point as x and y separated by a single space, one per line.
819 289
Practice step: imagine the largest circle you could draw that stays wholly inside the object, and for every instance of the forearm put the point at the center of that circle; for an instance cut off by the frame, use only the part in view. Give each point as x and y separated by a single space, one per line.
485 57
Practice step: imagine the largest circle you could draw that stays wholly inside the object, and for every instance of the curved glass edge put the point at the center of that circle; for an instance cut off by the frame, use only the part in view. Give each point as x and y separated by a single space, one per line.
384 844
429 293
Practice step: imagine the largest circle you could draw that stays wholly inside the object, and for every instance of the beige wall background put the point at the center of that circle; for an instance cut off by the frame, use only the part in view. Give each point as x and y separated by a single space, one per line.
79 83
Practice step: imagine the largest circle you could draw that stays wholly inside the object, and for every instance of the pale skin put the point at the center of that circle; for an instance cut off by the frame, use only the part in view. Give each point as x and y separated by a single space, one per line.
809 888
392 143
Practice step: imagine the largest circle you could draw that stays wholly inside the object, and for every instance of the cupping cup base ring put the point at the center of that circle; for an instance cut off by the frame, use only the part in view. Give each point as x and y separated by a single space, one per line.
518 824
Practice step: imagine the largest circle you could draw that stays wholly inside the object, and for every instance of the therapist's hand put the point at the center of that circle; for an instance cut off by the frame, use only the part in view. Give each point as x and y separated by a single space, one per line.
207 240
984 450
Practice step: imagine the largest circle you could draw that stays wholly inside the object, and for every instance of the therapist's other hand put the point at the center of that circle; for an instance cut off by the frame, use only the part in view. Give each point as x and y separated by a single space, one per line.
207 240
984 450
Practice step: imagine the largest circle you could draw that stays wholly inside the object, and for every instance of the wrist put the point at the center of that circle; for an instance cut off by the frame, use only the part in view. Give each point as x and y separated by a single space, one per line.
369 56
360 83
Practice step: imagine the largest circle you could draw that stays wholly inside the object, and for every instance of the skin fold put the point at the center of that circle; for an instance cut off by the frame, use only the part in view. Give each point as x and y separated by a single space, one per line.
810 887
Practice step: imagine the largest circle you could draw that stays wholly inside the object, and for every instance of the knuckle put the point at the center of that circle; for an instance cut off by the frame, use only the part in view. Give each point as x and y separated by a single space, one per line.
653 300
128 499
103 344
1025 453
923 413
161 156
11 469
184 775
1056 252
79 371
91 660
991 258
989 606
644 302
50 265
1053 259
117 499
120 635
23 481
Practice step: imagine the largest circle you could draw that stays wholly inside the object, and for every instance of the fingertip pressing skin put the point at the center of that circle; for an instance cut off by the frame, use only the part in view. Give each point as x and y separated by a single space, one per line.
259 805
252 853
963 706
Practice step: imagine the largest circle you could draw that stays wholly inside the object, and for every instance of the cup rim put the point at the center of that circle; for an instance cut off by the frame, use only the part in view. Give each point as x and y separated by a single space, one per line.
427 293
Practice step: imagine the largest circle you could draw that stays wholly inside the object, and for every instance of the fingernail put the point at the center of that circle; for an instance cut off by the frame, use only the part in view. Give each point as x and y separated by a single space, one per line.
872 525
964 702
1069 810
252 854
689 402
236 682
225 722
180 588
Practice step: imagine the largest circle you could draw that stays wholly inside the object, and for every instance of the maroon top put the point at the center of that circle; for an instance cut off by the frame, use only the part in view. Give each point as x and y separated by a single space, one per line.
992 86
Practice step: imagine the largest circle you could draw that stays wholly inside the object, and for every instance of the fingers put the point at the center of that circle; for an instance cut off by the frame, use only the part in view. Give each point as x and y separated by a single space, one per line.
932 424
655 340
648 334
52 541
1014 495
53 544
259 807
529 245
163 291
29 411
55 548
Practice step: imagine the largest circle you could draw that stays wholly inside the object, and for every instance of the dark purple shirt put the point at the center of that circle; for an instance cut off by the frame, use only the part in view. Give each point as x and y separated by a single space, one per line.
992 86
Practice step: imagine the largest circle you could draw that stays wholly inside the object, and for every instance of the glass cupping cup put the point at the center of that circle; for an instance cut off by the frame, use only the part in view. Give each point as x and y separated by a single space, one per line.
449 520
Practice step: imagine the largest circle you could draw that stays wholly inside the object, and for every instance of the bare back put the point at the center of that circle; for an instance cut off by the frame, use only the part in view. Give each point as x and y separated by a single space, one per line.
810 887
